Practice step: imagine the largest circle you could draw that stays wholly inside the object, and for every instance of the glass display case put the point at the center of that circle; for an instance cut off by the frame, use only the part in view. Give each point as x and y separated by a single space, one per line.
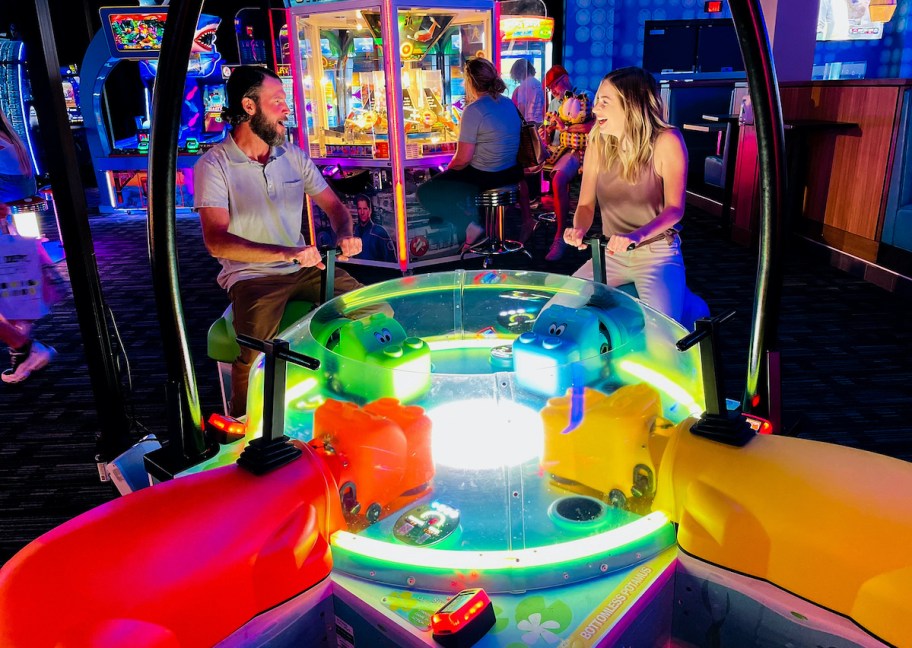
380 94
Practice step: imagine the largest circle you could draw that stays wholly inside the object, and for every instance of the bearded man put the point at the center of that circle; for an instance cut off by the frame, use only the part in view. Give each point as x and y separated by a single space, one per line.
249 191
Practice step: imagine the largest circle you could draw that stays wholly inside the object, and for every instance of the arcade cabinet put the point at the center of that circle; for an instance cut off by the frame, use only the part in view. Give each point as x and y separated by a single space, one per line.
527 37
16 97
121 163
30 217
380 95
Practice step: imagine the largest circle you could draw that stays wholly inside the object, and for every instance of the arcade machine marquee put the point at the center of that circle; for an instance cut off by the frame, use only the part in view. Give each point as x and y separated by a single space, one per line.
382 94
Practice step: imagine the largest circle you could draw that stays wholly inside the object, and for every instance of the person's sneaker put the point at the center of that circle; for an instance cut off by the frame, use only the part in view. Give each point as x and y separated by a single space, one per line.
17 357
556 251
34 358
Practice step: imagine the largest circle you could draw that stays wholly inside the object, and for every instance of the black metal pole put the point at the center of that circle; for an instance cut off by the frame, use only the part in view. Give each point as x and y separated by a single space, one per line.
764 94
184 412
44 67
717 422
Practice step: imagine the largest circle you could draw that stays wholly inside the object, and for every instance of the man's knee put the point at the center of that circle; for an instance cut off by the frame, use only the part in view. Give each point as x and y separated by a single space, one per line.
344 282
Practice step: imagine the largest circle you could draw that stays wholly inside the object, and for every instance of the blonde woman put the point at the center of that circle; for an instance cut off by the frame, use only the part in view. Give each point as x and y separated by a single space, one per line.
635 170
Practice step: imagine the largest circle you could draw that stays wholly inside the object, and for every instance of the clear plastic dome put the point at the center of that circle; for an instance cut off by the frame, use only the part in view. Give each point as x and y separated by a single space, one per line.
504 426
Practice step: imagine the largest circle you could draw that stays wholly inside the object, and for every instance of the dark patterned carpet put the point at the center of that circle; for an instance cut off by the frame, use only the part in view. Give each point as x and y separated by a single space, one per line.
846 348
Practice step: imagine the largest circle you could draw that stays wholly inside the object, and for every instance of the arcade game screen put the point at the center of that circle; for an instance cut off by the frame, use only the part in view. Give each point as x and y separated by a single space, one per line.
132 32
70 83
214 100
842 20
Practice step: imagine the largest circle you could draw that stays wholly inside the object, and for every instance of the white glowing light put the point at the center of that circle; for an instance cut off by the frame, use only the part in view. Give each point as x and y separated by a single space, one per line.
662 383
300 390
561 552
473 343
26 224
110 178
482 434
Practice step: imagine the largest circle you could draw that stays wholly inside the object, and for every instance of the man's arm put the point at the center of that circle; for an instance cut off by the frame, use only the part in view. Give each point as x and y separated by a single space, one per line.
223 244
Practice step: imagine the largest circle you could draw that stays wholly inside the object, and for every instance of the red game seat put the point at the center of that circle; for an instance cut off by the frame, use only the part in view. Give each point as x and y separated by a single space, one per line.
184 563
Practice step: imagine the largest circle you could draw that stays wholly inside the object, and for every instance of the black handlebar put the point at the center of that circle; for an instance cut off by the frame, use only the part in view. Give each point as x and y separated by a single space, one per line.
284 353
602 242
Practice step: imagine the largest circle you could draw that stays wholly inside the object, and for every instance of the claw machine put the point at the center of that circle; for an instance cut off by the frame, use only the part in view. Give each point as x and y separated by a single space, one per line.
379 92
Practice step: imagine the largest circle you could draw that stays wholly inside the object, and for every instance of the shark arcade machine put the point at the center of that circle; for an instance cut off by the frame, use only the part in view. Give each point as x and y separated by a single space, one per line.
380 93
121 163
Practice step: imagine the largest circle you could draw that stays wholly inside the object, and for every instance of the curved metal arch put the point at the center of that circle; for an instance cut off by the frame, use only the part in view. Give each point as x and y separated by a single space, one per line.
184 415
764 93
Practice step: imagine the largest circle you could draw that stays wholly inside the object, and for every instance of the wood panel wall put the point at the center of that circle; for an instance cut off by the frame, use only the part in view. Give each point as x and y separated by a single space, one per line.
843 191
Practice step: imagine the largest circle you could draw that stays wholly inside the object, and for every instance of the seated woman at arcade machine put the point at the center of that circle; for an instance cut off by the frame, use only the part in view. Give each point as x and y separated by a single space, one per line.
636 171
485 154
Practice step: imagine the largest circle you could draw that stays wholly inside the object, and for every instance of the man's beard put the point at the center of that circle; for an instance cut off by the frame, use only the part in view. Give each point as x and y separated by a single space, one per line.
267 132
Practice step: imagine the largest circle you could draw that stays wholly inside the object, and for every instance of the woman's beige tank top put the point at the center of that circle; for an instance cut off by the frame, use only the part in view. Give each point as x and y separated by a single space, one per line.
624 206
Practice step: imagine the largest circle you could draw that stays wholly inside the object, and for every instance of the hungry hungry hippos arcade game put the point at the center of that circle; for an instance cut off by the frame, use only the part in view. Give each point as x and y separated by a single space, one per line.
774 540
483 458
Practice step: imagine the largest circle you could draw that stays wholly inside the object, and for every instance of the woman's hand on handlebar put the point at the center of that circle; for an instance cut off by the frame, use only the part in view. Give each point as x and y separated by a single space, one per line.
574 236
619 243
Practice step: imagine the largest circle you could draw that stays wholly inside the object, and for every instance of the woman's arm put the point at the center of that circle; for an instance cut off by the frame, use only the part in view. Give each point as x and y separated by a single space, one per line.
670 160
671 165
463 156
585 208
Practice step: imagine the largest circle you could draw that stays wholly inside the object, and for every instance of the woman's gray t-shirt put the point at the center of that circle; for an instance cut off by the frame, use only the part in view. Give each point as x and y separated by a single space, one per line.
492 125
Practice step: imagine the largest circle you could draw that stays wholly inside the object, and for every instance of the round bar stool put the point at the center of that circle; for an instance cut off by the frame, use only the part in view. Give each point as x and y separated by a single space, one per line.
494 203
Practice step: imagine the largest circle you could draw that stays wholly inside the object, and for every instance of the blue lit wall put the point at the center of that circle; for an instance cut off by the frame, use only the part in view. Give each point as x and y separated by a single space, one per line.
589 35
601 35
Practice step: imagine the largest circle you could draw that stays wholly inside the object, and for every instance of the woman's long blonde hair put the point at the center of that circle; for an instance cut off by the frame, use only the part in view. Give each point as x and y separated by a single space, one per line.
9 135
643 121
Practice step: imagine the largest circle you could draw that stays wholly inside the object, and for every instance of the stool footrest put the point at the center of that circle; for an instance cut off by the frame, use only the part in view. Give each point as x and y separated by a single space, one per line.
493 247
